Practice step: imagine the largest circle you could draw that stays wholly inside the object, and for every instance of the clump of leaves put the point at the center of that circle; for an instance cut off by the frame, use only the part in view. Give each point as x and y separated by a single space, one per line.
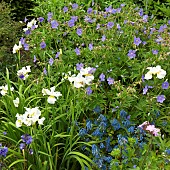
8 33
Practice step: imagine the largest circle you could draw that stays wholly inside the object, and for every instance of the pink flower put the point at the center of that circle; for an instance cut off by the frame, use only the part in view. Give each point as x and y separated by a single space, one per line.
150 128
153 130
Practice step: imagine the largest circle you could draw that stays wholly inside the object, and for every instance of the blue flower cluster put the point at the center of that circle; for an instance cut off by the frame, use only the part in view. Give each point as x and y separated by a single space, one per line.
111 134
26 140
3 150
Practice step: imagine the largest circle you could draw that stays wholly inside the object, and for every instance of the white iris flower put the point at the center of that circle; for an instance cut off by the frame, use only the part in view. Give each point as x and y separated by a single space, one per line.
30 117
16 47
52 94
4 89
83 78
155 71
16 102
23 73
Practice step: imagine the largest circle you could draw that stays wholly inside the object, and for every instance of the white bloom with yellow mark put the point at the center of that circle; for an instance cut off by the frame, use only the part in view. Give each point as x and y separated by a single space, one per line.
30 117
52 94
155 71
16 102
19 120
4 89
16 47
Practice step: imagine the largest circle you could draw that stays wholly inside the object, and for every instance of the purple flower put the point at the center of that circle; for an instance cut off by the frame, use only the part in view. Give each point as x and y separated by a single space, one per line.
71 23
141 12
164 26
128 117
114 11
79 31
77 51
21 76
4 133
88 90
98 26
43 45
27 32
79 66
57 55
152 30
26 47
161 28
103 38
51 61
160 98
159 40
65 9
54 24
35 59
110 25
92 70
102 77
108 9
89 10
169 22
45 71
27 139
134 166
22 146
122 5
132 23
40 19
165 85
131 54
118 10
90 47
143 78
125 21
145 18
33 27
137 41
50 15
144 42
118 26
74 18
74 6
155 52
110 80
31 152
22 40
3 151
145 89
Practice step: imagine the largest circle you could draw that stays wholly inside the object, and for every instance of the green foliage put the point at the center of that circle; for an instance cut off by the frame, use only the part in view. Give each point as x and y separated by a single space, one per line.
51 86
160 9
9 32
21 8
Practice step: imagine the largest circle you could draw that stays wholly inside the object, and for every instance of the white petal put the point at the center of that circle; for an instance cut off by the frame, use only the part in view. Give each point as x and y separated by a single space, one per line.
40 121
51 99
161 74
148 76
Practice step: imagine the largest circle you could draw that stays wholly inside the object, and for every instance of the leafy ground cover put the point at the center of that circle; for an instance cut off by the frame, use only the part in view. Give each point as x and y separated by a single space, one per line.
93 93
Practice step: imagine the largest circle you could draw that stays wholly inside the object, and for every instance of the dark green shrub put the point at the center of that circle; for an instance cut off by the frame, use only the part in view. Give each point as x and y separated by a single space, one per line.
8 34
21 8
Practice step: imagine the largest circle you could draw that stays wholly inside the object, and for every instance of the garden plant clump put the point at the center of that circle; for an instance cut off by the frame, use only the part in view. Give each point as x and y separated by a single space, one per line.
93 94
